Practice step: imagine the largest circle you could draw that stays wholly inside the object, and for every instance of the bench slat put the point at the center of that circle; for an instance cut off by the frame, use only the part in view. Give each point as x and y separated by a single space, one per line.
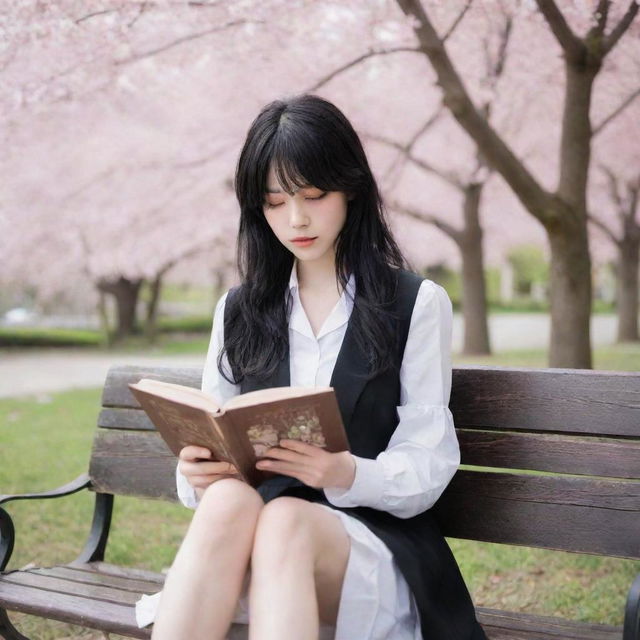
507 625
133 464
570 514
116 393
535 451
598 403
117 618
75 609
55 585
35 592
129 419
106 569
124 582
544 452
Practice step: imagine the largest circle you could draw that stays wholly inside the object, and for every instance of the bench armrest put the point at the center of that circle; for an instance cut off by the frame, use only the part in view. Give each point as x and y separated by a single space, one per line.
81 482
7 530
631 630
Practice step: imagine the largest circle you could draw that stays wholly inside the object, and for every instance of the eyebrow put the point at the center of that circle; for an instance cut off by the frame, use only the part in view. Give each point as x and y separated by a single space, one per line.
304 186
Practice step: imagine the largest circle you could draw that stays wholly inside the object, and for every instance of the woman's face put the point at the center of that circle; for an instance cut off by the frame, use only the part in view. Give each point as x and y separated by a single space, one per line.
308 213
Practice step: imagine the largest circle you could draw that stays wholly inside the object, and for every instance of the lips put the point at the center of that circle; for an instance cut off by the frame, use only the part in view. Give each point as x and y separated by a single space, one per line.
303 241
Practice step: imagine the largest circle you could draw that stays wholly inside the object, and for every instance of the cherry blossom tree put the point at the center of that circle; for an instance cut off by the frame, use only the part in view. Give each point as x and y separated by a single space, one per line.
123 134
563 212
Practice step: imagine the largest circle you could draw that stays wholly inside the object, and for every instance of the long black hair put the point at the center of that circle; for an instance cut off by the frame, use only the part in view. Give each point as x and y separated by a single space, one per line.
309 141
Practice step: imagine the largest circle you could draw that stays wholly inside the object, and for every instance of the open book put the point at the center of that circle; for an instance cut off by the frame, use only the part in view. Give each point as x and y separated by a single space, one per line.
247 425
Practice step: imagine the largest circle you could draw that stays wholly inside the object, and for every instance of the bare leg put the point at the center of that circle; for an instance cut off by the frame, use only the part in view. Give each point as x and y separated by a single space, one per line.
202 588
299 559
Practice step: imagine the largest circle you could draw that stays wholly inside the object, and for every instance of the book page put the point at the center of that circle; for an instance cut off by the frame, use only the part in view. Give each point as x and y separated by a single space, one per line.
179 393
271 395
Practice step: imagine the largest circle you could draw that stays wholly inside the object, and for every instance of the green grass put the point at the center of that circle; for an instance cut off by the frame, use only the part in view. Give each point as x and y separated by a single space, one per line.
47 442
617 357
35 337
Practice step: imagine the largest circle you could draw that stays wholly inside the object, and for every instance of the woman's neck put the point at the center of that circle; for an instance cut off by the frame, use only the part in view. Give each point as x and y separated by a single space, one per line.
317 276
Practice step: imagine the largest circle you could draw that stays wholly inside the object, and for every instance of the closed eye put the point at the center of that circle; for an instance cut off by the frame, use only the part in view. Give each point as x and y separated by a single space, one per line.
269 205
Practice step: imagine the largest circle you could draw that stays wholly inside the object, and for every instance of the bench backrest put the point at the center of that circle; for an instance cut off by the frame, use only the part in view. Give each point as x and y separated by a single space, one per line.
550 457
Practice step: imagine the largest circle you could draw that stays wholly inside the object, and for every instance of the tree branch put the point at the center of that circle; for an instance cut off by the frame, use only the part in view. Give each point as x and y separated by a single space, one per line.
147 3
352 63
603 227
183 39
619 30
447 176
616 112
572 45
445 227
535 199
457 21
397 165
601 13
614 191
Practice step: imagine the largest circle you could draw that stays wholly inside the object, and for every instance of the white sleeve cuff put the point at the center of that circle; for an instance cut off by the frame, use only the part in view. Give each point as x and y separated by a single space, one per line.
186 493
367 487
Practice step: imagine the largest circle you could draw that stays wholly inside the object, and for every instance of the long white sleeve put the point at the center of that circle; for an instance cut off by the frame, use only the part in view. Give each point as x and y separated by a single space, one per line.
214 383
423 453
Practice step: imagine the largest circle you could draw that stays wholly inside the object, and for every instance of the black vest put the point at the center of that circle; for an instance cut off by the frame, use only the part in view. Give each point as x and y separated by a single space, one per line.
368 408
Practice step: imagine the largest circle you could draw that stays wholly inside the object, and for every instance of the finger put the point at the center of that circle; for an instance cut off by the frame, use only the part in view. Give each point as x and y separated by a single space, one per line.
192 453
282 454
280 466
301 447
205 468
203 482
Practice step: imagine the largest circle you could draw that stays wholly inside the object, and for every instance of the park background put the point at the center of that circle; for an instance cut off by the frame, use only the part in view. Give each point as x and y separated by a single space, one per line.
510 169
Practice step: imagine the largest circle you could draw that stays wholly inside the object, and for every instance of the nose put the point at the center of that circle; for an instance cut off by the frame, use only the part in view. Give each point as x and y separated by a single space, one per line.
297 217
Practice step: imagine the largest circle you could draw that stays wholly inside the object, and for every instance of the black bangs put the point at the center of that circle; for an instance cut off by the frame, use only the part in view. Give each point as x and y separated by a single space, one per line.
301 156
303 150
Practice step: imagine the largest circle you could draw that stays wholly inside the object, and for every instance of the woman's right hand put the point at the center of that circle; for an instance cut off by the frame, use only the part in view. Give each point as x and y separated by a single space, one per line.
201 473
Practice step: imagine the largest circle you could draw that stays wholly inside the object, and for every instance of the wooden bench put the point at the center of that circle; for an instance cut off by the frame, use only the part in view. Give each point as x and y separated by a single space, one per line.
581 428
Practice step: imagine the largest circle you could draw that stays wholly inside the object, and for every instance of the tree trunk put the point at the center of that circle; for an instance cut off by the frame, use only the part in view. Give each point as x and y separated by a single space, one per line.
627 289
474 296
126 293
151 324
570 287
104 317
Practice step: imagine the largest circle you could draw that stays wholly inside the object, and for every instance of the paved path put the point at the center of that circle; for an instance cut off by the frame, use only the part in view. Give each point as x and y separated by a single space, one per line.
49 370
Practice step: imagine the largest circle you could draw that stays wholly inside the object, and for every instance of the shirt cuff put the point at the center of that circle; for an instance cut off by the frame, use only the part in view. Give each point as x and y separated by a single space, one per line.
366 489
186 493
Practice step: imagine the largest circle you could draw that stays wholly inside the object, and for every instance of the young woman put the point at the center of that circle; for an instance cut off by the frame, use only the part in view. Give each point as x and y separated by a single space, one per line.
341 544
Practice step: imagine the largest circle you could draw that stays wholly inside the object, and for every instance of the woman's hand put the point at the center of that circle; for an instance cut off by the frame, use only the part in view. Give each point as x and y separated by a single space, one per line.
201 473
310 464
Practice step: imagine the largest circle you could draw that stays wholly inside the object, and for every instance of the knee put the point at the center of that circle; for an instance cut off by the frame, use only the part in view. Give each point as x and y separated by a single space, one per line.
282 523
227 504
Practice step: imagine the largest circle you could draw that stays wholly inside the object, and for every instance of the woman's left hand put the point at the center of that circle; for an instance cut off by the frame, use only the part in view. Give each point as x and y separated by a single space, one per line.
310 464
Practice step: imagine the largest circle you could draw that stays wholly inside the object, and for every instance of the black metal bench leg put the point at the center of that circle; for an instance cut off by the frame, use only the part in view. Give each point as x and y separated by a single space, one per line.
631 629
7 630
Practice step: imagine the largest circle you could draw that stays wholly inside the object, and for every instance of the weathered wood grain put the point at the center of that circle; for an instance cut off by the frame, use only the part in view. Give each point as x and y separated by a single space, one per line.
598 403
571 514
133 463
544 452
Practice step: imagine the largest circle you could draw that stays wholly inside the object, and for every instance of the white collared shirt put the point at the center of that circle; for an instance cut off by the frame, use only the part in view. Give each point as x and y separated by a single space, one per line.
423 453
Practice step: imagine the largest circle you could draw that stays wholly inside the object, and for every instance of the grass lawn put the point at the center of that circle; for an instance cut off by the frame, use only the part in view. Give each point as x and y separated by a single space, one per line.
45 441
